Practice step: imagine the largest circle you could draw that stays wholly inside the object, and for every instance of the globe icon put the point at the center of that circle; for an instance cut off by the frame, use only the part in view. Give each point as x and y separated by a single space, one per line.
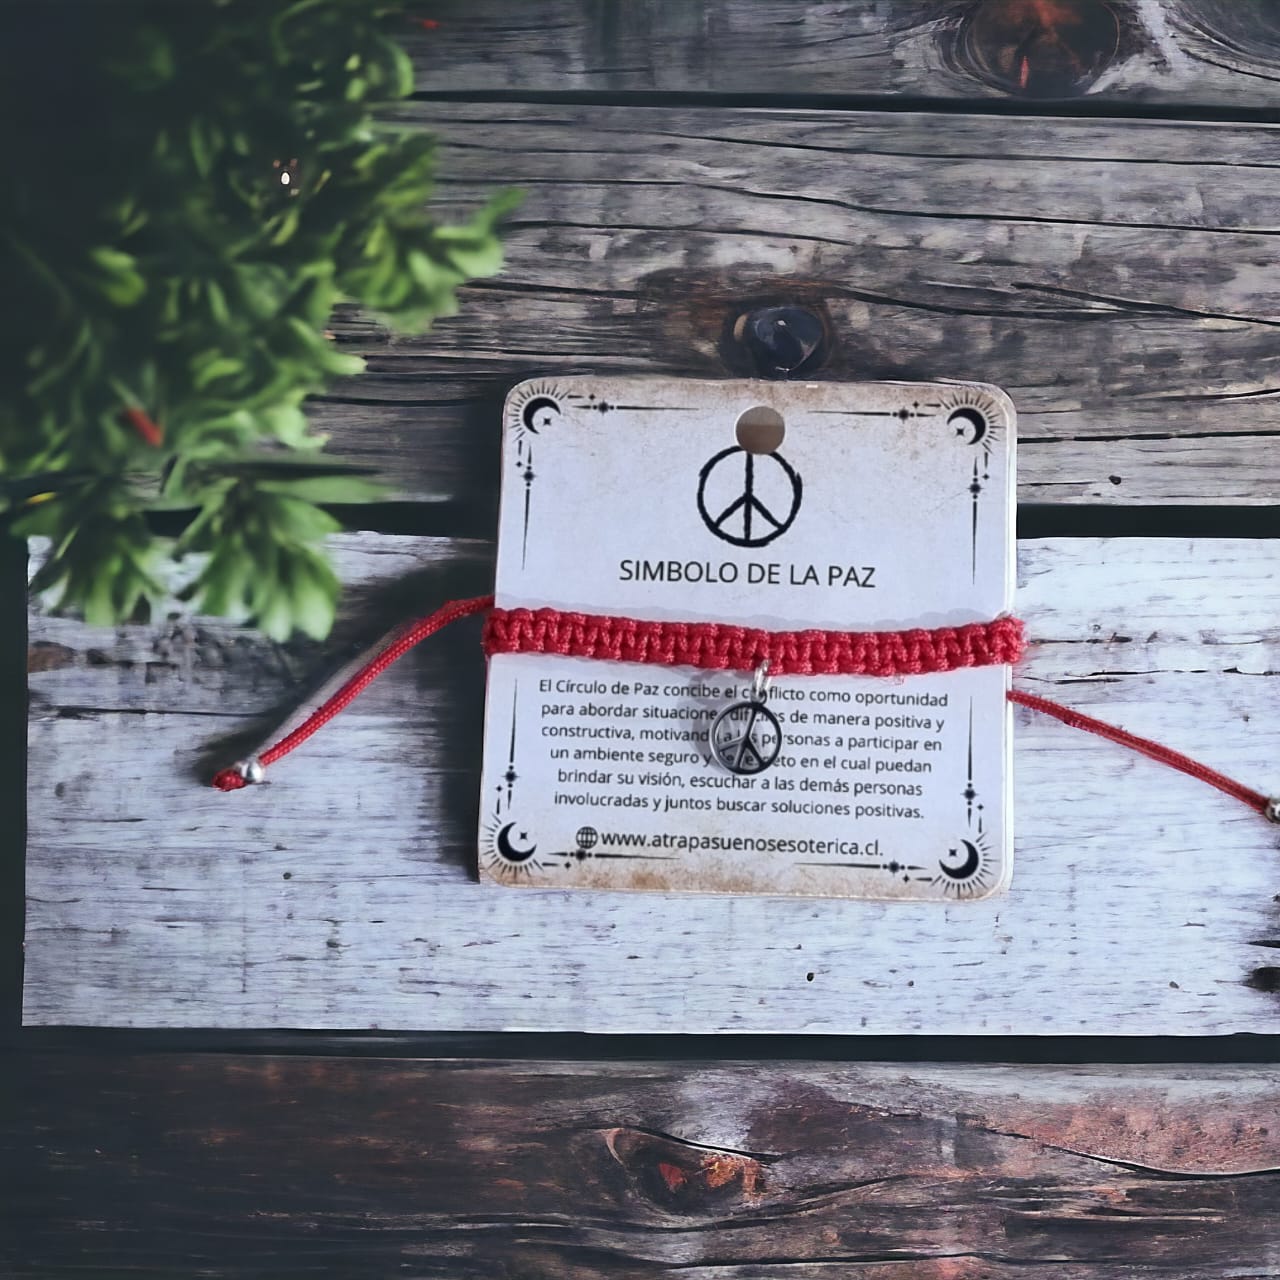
587 837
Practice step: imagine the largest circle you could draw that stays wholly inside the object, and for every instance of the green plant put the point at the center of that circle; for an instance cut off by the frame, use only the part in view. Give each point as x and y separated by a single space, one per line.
201 183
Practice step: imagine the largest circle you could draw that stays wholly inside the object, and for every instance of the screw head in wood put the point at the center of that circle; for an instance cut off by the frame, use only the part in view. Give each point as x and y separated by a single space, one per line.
782 340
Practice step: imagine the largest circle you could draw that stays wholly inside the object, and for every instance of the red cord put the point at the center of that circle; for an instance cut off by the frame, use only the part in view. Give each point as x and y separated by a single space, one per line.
234 778
719 647
1165 755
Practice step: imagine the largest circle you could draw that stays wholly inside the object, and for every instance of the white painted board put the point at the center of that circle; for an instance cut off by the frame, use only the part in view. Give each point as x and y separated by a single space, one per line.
344 895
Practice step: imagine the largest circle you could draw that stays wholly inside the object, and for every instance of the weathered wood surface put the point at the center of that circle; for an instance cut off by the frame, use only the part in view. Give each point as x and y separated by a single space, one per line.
344 895
1189 53
231 1167
1119 279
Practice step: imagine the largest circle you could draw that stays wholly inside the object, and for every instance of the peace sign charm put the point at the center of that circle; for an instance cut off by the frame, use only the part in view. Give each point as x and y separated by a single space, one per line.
746 736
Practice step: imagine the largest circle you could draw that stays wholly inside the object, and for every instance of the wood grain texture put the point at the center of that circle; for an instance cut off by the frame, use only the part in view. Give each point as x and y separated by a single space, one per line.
344 894
1119 279
223 1166
1179 52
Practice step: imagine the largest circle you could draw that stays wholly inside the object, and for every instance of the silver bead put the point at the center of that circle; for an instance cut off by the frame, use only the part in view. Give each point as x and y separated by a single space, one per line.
1272 810
251 770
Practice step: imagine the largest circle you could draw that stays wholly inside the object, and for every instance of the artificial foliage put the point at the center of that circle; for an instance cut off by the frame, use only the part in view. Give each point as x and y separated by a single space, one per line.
191 187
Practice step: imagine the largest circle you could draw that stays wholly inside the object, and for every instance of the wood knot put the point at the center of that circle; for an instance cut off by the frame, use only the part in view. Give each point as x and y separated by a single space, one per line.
46 655
1265 978
682 1177
778 341
1246 30
1038 48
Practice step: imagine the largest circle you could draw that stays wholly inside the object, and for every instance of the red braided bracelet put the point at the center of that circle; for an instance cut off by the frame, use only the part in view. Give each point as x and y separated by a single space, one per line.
712 646
716 646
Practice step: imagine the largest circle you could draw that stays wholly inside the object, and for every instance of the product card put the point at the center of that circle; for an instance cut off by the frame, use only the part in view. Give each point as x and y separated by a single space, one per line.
785 506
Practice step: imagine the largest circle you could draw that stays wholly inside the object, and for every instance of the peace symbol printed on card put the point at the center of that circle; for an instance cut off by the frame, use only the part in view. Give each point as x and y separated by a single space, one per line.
748 499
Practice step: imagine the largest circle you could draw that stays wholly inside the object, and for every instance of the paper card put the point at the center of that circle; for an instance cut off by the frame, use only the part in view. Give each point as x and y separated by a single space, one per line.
885 506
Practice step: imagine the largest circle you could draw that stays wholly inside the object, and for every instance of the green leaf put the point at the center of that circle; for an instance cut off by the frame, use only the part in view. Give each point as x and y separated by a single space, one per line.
481 257
123 290
99 604
211 371
260 467
201 153
288 424
338 489
118 278
218 308
314 596
205 525
157 53
285 225
322 352
294 518
113 260
221 587
429 274
403 82
275 617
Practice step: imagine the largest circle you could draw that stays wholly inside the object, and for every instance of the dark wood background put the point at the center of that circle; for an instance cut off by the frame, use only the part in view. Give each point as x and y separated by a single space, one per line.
1074 197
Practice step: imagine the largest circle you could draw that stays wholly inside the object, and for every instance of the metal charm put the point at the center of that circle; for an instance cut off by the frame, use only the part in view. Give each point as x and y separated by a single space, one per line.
746 736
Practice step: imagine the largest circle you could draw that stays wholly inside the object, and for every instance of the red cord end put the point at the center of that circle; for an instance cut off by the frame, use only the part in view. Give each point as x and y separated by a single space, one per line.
241 774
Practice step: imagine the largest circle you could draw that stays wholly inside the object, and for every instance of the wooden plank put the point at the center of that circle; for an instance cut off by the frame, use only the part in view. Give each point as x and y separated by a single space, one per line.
1182 52
224 1166
344 894
1119 279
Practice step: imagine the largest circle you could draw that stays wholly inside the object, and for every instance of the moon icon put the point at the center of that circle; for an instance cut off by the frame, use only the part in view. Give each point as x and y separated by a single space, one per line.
529 414
967 867
509 851
975 419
